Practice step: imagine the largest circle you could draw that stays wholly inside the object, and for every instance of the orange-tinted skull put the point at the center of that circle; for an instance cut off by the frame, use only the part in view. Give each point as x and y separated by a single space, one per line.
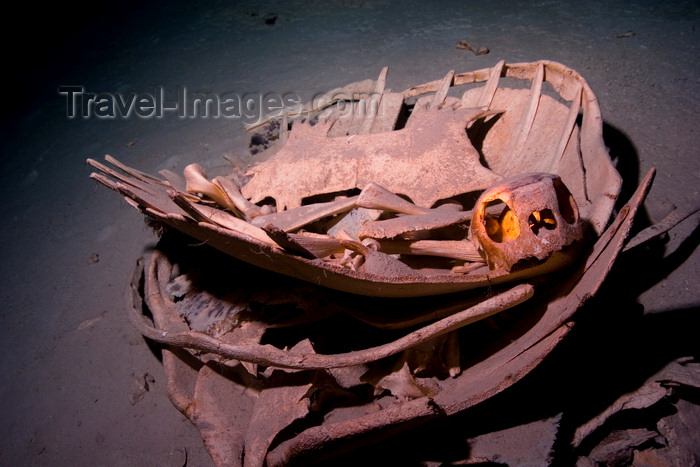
523 220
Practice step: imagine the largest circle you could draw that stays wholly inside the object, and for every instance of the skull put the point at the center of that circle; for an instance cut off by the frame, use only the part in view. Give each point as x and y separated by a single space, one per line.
523 220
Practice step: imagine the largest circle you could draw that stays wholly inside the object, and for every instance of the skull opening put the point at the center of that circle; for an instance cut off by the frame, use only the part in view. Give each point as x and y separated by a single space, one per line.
524 220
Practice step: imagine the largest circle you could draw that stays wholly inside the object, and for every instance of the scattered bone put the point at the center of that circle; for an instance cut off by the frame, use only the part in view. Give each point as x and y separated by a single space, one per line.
400 383
528 117
674 218
477 49
440 95
657 387
276 408
142 176
176 181
91 321
222 190
467 268
510 362
618 447
505 447
490 88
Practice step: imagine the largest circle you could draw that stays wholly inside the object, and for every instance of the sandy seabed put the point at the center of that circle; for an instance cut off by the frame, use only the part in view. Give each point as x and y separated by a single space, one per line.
74 369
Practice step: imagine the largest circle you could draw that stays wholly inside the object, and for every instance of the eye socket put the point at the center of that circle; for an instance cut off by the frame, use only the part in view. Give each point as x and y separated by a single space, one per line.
567 205
500 222
543 219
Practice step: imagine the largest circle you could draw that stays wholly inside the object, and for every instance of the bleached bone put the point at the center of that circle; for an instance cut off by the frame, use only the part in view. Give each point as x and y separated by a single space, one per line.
319 245
374 196
439 98
428 160
203 213
233 193
410 225
526 120
491 85
176 180
223 190
283 239
197 182
144 177
135 179
293 219
457 249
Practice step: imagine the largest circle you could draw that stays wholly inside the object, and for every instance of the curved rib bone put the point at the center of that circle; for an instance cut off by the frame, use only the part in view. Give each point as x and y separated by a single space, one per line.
273 356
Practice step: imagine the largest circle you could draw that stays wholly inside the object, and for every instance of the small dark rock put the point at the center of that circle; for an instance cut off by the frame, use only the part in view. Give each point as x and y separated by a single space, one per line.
270 19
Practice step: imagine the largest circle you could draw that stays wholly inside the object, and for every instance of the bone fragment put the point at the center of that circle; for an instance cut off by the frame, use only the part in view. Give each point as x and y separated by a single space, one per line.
414 225
411 225
381 81
174 179
374 196
674 218
197 182
439 98
528 117
284 130
142 176
283 239
209 214
293 219
457 249
350 222
319 245
233 194
489 89
569 126
368 120
133 181
477 49
138 195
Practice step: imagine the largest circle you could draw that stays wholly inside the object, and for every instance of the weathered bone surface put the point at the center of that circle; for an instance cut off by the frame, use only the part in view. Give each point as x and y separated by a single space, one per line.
428 161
